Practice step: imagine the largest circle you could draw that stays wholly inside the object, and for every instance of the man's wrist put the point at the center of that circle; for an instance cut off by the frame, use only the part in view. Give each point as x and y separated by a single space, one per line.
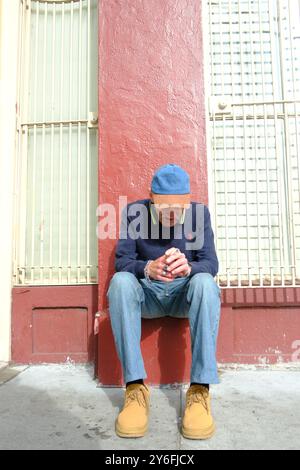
146 270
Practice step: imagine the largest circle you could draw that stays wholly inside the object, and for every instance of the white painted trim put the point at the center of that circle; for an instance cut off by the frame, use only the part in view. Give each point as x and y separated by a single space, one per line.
9 19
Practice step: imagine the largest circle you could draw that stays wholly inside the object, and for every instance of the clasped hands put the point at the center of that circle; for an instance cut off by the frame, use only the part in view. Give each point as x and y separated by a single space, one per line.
169 266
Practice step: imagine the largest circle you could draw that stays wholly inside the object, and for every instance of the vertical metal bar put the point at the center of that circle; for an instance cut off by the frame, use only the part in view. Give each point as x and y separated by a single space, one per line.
260 258
18 145
70 144
277 132
220 29
24 139
59 268
237 205
61 135
60 205
33 200
69 269
244 135
257 198
52 143
221 47
227 258
251 41
293 73
265 140
231 40
79 148
270 243
290 216
269 197
256 183
88 144
42 217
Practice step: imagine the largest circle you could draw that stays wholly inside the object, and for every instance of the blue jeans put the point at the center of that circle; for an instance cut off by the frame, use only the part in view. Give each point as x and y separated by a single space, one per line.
196 297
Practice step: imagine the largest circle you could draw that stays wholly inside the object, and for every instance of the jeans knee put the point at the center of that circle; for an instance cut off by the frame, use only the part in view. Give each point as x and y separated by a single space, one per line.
123 281
204 282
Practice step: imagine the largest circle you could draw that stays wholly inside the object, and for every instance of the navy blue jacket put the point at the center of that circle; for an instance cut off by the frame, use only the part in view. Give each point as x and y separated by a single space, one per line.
137 244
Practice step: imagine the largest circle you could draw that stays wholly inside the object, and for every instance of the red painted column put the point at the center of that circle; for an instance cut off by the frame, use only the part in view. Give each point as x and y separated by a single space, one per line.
151 112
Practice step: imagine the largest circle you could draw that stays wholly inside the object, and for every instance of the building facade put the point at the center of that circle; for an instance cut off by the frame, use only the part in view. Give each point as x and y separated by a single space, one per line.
96 95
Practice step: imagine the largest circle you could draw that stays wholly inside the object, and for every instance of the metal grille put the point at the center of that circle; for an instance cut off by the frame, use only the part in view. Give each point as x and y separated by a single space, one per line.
56 178
254 96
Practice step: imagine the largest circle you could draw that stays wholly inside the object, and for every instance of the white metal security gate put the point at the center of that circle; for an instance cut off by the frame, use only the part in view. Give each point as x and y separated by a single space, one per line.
56 164
254 110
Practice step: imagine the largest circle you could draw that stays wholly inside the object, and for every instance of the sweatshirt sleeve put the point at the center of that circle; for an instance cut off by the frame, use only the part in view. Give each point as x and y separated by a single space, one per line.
205 259
126 251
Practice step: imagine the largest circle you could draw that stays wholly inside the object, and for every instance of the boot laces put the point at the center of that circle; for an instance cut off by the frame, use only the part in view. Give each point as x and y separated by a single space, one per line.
199 395
135 395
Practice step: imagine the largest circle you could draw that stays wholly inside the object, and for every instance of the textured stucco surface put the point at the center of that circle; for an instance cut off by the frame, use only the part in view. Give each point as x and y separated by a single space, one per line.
151 101
151 110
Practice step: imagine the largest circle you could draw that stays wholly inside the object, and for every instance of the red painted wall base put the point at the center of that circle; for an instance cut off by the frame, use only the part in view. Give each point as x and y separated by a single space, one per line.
53 324
258 326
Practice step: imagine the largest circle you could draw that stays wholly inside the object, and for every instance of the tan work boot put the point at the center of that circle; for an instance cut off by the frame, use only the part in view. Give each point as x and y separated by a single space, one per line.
197 421
133 419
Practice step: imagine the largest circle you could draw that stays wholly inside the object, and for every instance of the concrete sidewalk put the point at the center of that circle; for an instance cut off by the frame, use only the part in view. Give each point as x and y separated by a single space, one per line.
61 407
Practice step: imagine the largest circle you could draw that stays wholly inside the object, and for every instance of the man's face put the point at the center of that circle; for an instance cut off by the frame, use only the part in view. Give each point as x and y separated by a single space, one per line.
169 214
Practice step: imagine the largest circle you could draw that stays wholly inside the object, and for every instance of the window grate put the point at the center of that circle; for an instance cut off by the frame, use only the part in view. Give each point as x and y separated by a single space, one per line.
254 110
56 178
